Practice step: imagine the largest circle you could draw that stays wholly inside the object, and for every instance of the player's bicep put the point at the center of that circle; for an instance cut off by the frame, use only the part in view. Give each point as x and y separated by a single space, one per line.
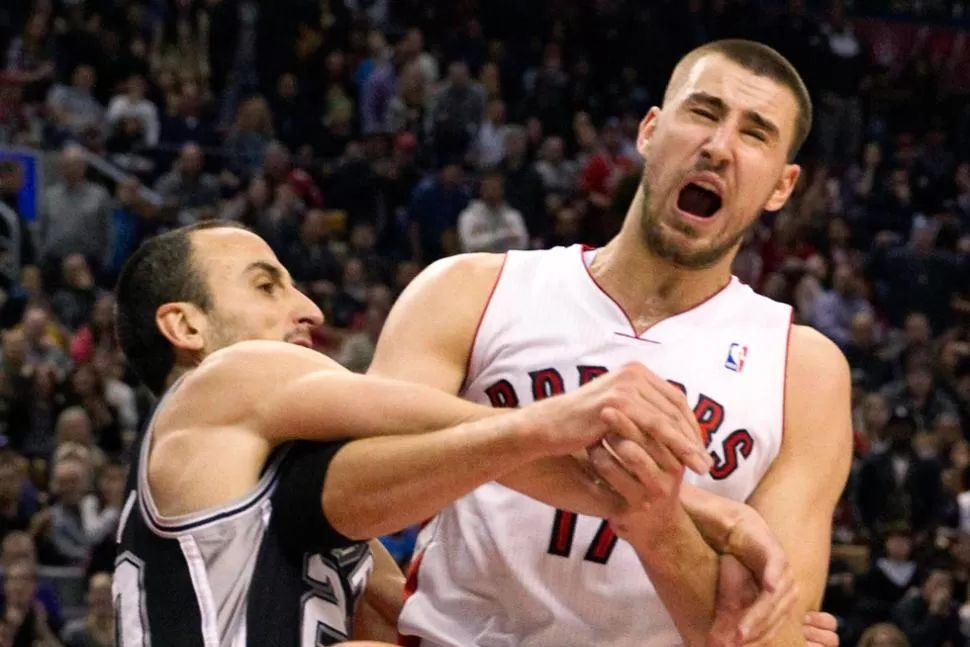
797 498
298 498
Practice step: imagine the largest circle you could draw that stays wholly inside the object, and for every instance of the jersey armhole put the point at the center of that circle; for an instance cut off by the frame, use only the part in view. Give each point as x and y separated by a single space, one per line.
476 343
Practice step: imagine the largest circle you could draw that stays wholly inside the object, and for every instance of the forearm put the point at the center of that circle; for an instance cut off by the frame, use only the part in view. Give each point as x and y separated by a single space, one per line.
566 483
684 571
332 404
376 486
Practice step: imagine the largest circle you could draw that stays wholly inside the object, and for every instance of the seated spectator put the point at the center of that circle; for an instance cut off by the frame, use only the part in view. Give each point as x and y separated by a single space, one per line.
133 103
250 135
75 216
97 335
74 301
46 341
25 621
15 514
890 577
489 224
835 309
74 434
928 616
66 535
18 547
187 187
97 627
73 107
883 635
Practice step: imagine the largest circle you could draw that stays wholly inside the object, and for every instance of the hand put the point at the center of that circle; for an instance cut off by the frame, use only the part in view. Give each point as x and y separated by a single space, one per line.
752 544
820 630
742 614
646 477
631 402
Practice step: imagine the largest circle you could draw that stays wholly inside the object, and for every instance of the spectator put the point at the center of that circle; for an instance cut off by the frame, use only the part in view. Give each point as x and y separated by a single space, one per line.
18 547
457 111
97 628
187 188
25 622
73 107
71 534
74 301
76 214
490 224
898 485
250 135
835 309
134 104
929 616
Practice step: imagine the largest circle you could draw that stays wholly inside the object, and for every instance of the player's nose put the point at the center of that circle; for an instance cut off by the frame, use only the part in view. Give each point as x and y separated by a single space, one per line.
306 312
717 147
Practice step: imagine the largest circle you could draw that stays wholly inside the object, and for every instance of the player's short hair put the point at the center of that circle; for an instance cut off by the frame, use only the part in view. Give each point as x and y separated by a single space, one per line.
761 60
163 270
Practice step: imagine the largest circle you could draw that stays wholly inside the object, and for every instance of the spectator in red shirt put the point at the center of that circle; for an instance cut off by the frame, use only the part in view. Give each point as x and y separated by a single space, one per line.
605 168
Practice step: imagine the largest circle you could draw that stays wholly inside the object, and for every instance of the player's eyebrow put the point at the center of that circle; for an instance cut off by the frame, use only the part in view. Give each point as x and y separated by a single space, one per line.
262 266
718 106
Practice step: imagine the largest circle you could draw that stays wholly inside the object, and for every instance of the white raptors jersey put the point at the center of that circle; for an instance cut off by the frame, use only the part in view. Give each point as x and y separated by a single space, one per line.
498 569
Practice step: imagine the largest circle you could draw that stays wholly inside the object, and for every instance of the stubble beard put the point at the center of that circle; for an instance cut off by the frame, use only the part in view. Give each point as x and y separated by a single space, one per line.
665 247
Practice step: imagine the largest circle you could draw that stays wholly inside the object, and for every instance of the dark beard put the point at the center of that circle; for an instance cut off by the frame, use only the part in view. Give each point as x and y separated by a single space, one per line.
661 246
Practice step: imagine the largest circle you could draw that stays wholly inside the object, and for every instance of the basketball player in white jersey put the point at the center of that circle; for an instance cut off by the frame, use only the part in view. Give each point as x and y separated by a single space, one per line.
772 399
238 532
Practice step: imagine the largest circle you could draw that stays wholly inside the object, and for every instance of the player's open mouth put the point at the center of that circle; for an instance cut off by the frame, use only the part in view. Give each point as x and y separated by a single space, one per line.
701 198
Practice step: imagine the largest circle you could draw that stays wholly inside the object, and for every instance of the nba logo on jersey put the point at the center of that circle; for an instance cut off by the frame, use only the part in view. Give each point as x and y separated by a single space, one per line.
735 357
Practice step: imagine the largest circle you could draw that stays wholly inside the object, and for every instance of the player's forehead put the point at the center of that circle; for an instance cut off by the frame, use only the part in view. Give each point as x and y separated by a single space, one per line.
229 254
717 77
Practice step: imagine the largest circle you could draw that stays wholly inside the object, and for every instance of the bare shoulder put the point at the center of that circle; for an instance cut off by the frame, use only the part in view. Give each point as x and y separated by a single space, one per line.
814 359
471 273
818 388
429 333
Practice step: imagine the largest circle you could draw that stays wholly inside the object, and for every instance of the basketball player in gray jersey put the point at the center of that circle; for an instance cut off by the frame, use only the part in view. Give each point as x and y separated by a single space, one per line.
238 528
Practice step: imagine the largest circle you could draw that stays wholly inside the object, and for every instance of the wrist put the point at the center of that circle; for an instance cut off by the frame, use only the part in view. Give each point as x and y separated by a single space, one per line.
717 519
657 533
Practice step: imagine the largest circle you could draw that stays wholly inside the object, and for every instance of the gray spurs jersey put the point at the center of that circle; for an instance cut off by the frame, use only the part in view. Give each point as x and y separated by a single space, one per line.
264 570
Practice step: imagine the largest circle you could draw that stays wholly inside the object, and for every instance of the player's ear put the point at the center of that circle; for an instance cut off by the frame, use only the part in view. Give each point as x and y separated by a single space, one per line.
786 184
647 125
182 324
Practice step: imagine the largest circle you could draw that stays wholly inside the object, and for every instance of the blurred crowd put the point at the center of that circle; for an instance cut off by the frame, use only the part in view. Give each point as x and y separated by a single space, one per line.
367 138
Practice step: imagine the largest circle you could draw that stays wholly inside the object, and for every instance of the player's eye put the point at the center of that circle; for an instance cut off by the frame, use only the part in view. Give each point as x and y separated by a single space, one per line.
706 114
757 134
268 288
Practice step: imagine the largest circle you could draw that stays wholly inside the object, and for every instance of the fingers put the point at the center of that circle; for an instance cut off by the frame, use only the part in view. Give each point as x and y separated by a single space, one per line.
766 615
820 630
757 548
650 423
815 637
776 568
670 399
616 475
624 448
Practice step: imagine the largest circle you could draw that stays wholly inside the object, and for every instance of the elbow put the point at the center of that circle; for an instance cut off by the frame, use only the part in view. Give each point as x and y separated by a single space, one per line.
353 513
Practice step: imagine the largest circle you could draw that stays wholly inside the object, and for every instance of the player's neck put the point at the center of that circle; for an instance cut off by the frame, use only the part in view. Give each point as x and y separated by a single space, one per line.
648 288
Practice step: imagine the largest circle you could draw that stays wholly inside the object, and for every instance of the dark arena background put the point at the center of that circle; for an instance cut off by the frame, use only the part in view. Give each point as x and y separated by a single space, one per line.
352 134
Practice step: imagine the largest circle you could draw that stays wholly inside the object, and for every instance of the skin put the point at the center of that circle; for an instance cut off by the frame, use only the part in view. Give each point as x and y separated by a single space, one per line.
718 118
